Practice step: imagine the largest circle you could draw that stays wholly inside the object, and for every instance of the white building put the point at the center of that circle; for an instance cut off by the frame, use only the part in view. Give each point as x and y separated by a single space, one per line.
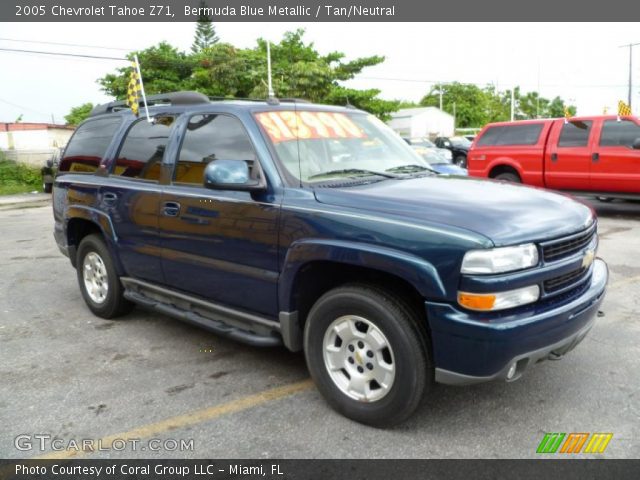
422 122
32 143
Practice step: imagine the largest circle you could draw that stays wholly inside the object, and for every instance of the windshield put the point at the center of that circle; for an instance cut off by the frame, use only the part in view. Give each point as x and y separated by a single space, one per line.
460 141
337 145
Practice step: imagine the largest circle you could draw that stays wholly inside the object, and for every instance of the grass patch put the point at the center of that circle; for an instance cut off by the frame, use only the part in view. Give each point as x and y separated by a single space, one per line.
18 178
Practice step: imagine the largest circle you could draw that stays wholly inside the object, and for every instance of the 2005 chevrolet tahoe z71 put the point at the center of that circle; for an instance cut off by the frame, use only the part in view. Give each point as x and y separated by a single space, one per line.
318 228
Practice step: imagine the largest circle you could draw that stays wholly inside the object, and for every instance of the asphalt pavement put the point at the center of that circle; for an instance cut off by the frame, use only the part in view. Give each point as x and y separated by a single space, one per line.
67 375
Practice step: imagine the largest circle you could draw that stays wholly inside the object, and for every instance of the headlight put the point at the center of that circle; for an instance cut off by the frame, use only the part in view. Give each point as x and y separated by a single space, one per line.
499 301
499 260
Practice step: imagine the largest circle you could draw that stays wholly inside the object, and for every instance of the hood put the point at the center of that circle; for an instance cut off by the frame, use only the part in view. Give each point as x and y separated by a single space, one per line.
506 213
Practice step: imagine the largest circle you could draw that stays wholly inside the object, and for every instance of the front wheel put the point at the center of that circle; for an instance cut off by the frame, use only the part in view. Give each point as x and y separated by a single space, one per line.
508 177
47 187
368 354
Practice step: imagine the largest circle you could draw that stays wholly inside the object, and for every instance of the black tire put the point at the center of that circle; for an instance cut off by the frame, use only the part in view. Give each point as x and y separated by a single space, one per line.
47 187
113 304
406 338
460 160
508 177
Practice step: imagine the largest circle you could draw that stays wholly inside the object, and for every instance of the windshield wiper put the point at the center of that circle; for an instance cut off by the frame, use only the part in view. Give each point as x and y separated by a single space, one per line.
409 169
352 171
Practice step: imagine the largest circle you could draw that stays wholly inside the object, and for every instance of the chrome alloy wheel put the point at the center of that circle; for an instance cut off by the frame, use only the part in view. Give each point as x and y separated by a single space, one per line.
94 273
359 358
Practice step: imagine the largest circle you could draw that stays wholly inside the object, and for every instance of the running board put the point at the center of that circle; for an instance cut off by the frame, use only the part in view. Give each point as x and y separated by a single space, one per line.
224 321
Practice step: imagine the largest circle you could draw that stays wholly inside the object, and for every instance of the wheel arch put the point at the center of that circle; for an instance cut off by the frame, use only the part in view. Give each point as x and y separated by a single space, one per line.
83 221
314 267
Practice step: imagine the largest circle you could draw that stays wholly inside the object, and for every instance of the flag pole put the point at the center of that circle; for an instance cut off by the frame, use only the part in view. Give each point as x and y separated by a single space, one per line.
144 97
270 94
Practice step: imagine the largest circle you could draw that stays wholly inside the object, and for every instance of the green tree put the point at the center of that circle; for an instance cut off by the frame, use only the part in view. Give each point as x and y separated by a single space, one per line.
205 33
469 101
223 70
78 114
164 69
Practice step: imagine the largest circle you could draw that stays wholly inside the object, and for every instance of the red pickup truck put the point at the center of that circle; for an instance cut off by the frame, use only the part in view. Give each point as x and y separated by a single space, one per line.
599 155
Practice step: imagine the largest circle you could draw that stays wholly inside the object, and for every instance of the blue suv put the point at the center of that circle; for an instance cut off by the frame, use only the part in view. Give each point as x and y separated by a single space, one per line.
318 228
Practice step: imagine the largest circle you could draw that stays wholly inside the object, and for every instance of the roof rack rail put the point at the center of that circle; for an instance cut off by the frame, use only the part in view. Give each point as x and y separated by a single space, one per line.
172 98
294 100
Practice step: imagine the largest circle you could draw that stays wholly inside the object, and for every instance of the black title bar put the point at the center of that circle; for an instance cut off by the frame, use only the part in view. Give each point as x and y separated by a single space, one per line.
319 11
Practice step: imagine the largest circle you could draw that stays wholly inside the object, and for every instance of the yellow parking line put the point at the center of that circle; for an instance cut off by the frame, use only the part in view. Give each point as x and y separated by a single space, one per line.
192 418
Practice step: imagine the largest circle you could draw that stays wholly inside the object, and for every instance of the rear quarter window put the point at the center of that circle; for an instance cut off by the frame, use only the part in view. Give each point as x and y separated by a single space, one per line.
503 135
88 145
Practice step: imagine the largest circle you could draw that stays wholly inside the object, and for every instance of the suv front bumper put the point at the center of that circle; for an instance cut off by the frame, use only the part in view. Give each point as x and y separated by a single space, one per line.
468 349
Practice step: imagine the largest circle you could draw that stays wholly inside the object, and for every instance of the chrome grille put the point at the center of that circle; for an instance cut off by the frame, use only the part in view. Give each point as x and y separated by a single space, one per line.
567 246
566 280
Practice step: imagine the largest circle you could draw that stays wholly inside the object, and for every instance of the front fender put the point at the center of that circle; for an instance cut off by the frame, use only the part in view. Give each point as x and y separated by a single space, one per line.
415 270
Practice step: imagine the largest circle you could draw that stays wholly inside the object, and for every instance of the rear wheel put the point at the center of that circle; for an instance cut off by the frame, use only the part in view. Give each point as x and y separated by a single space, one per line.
47 187
508 177
98 280
367 354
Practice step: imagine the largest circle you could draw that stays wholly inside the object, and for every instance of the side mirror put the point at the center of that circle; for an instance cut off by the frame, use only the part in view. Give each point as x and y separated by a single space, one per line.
636 144
230 175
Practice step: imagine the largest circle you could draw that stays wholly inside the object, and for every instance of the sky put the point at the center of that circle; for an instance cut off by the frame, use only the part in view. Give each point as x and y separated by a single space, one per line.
581 62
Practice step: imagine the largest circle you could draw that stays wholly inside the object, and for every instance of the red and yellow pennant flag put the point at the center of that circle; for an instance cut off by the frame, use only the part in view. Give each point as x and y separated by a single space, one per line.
567 114
133 90
623 109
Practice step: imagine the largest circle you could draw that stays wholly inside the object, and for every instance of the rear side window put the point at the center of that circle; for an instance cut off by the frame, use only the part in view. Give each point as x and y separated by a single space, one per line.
621 133
575 134
88 145
504 135
143 148
209 138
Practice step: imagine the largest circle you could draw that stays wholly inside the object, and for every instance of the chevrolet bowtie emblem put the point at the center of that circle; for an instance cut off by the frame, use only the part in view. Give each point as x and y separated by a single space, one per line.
587 260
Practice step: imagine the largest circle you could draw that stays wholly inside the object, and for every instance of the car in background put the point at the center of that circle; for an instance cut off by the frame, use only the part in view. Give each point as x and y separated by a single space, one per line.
438 162
49 170
459 147
471 138
429 145
595 155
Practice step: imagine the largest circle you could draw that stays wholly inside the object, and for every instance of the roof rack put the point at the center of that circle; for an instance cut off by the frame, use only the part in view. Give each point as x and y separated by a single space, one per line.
172 98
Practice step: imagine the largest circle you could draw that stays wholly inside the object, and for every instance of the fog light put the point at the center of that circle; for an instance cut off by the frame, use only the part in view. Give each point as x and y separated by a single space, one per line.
512 371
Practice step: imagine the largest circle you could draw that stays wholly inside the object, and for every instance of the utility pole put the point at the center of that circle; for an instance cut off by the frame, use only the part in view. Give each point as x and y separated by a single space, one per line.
513 103
630 46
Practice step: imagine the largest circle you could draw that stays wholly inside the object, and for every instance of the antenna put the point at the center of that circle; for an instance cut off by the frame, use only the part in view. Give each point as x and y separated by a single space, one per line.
271 97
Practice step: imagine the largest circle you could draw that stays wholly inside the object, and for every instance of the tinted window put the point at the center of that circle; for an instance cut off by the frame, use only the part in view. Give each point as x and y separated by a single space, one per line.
143 148
209 138
527 134
622 133
88 145
575 134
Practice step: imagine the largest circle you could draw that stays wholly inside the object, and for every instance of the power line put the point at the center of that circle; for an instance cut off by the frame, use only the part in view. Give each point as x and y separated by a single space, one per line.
65 44
23 107
38 52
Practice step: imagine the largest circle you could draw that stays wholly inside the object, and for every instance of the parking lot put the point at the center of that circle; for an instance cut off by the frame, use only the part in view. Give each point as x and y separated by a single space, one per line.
67 374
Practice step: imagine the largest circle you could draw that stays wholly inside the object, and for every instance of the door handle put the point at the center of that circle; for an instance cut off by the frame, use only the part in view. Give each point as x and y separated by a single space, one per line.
595 157
109 198
554 157
171 209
